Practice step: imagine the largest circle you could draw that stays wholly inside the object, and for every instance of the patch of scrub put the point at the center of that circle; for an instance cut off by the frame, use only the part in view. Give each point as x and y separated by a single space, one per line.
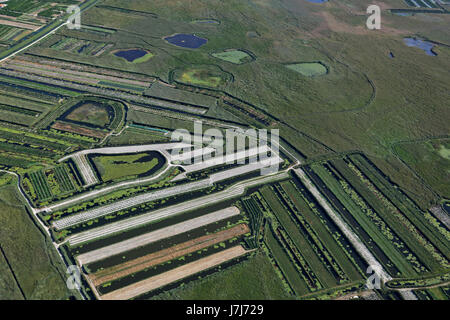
421 44
134 55
190 41
309 69
204 76
234 56
91 113
444 152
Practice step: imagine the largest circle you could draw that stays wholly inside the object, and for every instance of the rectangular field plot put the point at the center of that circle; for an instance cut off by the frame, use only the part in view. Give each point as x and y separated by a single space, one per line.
81 46
309 242
177 251
176 274
10 116
422 3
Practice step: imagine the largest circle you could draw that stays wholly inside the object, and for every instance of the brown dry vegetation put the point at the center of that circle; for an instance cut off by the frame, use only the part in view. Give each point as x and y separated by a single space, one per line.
173 275
141 263
78 130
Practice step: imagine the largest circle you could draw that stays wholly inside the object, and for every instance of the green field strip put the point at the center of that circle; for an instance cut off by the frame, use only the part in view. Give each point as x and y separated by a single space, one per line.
256 215
122 86
63 179
287 268
12 161
40 86
29 102
405 205
31 138
20 149
40 185
365 222
18 118
321 250
323 275
301 265
350 270
403 233
19 110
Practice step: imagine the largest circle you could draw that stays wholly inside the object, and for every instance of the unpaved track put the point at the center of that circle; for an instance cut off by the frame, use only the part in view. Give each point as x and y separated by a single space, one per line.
229 158
147 238
350 235
173 275
155 258
134 222
85 170
130 149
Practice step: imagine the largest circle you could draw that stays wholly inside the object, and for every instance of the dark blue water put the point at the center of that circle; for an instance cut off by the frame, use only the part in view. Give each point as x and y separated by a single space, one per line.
131 55
317 1
190 41
421 44
391 55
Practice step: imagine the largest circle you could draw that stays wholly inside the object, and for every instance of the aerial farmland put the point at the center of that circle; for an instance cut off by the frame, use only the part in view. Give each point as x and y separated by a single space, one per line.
237 150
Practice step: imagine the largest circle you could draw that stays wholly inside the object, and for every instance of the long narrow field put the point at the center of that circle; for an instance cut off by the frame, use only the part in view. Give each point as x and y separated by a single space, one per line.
153 236
152 259
314 247
176 274
372 224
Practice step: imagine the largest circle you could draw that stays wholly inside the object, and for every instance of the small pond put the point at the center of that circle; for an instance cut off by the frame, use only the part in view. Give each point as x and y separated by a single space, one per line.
183 40
131 54
421 44
317 1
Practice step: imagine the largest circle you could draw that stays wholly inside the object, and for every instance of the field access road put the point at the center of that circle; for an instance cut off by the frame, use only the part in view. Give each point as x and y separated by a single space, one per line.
234 191
228 158
130 149
350 235
173 275
153 236
86 171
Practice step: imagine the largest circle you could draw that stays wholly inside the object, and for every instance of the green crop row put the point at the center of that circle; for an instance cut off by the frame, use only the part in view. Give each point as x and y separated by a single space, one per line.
383 240
298 237
385 210
41 186
282 260
414 220
332 240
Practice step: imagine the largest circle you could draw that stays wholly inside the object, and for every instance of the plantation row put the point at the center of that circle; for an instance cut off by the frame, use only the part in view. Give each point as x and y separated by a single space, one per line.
310 251
44 185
